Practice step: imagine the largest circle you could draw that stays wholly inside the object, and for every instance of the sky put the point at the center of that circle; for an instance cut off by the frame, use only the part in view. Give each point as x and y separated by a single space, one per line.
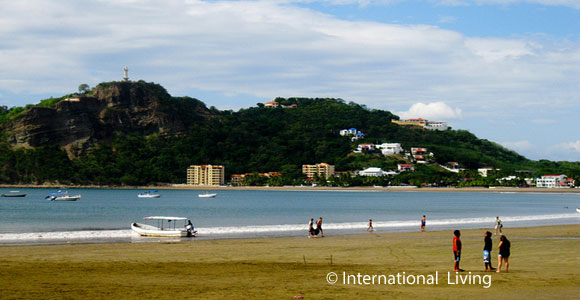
506 70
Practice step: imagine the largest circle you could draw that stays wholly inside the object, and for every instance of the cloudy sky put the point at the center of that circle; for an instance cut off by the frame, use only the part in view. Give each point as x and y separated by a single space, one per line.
507 70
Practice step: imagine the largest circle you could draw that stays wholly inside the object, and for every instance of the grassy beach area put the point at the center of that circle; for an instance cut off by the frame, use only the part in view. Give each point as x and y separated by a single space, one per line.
544 265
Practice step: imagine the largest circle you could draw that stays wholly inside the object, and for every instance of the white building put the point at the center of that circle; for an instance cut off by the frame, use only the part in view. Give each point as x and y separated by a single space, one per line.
364 147
483 172
372 172
390 148
553 181
435 125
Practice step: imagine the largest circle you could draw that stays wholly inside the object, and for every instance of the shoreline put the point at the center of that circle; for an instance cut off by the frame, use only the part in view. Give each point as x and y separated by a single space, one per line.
304 188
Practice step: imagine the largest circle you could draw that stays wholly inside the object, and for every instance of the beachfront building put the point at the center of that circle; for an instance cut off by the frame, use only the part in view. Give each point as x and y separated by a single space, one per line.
554 181
322 169
205 175
390 148
238 179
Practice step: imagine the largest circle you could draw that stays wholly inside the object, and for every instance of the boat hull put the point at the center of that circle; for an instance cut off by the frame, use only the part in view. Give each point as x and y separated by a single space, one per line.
148 196
153 231
207 195
64 198
13 195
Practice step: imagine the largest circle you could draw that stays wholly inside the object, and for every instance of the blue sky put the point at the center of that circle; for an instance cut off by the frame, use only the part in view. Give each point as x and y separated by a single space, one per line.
506 70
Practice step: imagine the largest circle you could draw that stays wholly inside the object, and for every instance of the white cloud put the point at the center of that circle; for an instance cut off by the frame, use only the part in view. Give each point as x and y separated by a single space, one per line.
569 147
568 3
436 111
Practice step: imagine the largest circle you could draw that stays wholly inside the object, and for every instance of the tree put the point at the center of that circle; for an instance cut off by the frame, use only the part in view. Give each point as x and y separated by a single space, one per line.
84 88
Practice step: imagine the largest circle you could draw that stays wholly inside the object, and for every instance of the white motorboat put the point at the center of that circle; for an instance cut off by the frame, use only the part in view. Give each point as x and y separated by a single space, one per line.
207 195
166 227
14 194
578 209
62 196
149 194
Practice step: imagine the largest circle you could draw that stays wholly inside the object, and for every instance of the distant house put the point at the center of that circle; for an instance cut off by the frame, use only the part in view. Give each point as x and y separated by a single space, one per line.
484 172
364 147
390 148
405 167
352 132
377 172
422 123
272 104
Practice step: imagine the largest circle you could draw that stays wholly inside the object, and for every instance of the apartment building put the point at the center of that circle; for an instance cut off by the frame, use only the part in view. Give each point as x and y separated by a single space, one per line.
205 175
323 170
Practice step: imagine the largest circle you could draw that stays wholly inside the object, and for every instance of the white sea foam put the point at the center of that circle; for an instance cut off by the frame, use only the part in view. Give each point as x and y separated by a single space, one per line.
258 230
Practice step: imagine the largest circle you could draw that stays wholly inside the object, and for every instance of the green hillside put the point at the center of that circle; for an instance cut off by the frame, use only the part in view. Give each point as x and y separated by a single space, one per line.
256 139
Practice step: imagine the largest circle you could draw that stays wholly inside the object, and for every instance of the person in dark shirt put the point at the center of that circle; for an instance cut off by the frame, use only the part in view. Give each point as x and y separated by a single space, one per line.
504 253
457 250
487 251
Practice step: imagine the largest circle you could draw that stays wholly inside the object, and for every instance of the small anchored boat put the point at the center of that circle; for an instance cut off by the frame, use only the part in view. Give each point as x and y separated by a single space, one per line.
578 209
207 195
14 194
166 227
62 196
149 194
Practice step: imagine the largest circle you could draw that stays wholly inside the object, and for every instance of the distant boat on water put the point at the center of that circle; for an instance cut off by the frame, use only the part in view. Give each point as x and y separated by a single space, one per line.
62 196
149 194
14 194
207 195
578 209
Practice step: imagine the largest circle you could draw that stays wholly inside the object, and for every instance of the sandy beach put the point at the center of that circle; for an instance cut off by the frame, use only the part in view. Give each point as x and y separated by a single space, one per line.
544 264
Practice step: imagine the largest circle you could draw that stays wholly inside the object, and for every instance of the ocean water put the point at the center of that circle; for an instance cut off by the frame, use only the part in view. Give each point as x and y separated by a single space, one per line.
105 215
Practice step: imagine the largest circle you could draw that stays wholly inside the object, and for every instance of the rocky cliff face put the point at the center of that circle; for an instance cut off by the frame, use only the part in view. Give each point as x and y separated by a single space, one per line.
78 124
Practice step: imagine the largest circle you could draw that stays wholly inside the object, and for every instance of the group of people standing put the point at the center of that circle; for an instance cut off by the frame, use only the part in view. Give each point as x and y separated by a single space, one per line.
503 246
315 231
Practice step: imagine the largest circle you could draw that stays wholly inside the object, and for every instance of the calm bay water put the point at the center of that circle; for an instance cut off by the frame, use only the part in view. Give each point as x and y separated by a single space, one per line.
102 215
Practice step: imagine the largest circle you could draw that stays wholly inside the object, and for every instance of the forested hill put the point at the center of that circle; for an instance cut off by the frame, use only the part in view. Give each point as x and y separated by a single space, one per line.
136 133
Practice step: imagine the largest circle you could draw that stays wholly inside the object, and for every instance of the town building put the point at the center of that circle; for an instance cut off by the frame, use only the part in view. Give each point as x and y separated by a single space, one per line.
364 147
405 167
485 171
322 169
237 179
390 148
554 181
422 123
353 132
205 175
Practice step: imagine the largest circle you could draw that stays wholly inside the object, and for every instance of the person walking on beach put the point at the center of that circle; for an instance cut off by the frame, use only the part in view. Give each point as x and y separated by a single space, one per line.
423 221
504 253
370 228
311 231
319 227
457 250
498 225
487 251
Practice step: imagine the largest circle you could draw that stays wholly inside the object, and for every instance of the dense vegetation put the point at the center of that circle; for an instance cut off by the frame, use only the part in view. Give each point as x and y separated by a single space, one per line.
260 139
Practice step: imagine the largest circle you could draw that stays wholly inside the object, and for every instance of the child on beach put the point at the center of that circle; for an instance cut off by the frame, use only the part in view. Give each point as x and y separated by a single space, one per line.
504 253
457 250
370 228
487 251
423 220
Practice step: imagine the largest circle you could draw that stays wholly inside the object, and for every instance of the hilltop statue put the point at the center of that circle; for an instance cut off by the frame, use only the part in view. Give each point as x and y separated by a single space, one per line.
126 77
